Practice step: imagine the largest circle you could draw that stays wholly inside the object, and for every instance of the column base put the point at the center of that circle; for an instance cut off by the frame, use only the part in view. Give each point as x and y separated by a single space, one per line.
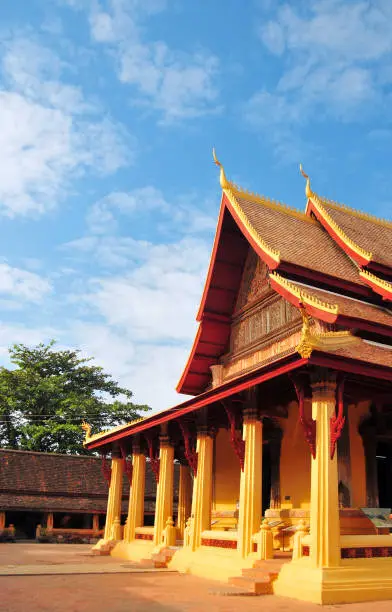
103 547
137 550
209 562
355 580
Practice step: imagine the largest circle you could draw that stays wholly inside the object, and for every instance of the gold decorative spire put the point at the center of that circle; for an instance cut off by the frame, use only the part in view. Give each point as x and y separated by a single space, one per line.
224 183
308 191
87 429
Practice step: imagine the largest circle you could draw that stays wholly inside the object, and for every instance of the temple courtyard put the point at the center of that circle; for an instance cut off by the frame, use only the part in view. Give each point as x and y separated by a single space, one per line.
66 578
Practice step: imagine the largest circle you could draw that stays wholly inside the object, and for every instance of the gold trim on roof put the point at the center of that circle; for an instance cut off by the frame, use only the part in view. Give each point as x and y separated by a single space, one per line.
376 280
357 213
322 341
238 191
303 296
91 438
318 203
272 253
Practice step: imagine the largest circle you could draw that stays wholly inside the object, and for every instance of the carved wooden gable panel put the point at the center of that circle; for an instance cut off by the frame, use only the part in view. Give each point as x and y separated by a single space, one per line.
260 313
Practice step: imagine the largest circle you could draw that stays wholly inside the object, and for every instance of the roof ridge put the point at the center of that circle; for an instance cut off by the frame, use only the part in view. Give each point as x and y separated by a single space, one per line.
318 202
356 212
46 454
273 253
271 203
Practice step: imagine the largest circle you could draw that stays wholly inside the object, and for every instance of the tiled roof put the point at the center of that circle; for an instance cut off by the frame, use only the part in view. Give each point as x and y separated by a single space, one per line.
67 482
368 352
369 233
299 239
352 308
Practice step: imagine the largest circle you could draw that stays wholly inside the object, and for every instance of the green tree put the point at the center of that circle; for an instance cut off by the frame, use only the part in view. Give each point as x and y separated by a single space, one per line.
47 395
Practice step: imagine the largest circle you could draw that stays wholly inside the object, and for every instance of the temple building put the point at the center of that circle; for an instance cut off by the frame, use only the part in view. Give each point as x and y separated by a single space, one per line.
55 497
285 447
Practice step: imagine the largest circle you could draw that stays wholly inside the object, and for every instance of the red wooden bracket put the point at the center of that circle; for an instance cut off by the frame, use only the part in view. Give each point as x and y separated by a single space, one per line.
309 425
337 422
128 468
236 440
153 459
190 450
106 469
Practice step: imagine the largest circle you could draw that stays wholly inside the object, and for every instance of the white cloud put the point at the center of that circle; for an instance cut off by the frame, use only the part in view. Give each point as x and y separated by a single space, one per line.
22 284
333 56
178 85
49 134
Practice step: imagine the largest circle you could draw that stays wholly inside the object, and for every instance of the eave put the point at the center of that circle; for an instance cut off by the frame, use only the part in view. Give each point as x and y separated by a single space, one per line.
379 285
273 370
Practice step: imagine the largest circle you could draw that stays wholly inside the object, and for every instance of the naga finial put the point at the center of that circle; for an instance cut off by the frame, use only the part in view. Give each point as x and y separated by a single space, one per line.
308 191
224 183
87 428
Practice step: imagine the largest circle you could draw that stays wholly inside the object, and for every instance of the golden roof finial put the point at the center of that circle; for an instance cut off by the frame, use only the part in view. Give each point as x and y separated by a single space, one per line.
224 183
308 191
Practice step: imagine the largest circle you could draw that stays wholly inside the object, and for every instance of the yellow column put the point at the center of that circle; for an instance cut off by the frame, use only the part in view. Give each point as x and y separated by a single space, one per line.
113 512
202 488
136 495
164 498
324 508
251 482
184 498
2 520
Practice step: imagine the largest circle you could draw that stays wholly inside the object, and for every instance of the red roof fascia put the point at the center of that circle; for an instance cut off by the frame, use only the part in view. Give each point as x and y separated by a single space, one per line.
352 366
271 263
278 368
324 281
380 290
319 313
212 260
362 261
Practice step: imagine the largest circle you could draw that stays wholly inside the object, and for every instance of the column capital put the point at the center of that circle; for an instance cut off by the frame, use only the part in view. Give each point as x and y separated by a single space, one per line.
323 383
136 446
164 441
206 431
251 414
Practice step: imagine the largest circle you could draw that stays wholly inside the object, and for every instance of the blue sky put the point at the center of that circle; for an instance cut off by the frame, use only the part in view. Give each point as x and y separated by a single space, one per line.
108 194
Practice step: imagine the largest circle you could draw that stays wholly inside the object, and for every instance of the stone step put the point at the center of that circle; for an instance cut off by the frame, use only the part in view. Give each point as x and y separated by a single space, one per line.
231 591
258 574
257 586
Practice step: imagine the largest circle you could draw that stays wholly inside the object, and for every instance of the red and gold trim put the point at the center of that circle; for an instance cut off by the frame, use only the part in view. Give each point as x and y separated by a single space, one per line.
379 285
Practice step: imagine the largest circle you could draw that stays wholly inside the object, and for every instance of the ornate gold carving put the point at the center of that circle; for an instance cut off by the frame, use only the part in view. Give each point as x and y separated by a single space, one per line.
101 434
254 282
259 357
324 341
87 430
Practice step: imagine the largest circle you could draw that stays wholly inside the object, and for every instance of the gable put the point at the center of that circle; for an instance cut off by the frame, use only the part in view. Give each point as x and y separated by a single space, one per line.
261 316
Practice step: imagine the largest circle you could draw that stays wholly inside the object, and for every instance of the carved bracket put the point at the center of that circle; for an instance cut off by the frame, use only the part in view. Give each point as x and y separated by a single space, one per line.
337 422
309 425
106 469
153 459
128 468
190 450
236 440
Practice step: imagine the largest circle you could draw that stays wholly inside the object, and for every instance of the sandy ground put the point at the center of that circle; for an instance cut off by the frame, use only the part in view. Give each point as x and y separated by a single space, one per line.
130 592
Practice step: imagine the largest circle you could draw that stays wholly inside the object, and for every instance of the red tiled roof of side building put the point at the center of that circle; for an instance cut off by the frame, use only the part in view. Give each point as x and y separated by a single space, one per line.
371 234
367 352
70 482
300 240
